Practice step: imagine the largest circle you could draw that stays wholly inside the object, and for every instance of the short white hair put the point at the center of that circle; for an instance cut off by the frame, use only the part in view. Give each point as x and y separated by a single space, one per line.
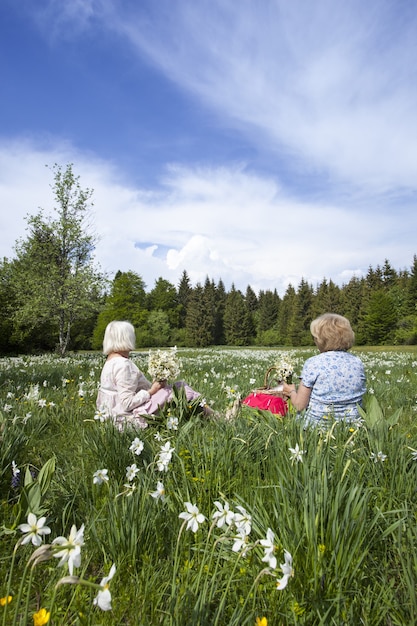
119 336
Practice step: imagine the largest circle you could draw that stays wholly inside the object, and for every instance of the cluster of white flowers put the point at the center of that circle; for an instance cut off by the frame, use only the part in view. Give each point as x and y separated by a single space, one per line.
68 550
164 457
285 366
164 364
241 525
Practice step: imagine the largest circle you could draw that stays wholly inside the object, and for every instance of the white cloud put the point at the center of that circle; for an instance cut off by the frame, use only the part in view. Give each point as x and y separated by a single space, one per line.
332 83
219 222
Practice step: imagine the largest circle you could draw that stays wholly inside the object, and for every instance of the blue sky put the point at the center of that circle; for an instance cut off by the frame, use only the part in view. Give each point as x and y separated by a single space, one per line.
256 142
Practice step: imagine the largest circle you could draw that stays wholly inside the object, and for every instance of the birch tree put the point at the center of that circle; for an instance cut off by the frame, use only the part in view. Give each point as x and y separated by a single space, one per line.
55 279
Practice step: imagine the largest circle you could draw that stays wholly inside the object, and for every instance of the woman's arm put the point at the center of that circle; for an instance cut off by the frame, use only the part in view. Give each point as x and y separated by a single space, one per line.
128 381
299 398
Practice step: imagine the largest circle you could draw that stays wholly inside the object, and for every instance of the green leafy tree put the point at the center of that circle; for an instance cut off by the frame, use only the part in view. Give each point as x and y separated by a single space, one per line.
159 330
164 297
126 301
55 281
8 343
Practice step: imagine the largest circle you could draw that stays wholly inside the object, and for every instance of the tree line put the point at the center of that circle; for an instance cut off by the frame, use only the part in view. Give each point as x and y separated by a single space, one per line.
54 297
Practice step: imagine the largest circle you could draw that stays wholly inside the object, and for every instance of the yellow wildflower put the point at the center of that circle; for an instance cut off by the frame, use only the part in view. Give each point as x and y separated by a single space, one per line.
41 617
261 621
5 600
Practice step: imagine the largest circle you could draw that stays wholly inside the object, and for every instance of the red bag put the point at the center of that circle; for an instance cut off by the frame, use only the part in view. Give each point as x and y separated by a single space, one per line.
266 402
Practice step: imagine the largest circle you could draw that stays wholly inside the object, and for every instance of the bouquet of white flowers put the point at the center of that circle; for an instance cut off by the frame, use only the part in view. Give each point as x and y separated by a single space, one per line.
284 367
164 364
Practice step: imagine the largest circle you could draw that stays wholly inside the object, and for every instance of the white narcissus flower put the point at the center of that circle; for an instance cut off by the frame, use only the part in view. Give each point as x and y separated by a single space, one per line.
15 469
296 454
159 494
101 415
243 521
100 477
131 471
241 543
269 546
287 571
103 598
192 516
34 530
164 457
378 458
223 515
70 549
172 423
137 446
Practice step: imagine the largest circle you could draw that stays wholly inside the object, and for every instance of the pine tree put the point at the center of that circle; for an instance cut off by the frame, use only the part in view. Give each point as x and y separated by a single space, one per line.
199 321
237 322
183 294
380 319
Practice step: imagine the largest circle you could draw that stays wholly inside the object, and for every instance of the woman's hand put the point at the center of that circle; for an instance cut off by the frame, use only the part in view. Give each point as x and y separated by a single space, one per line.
299 398
156 386
287 389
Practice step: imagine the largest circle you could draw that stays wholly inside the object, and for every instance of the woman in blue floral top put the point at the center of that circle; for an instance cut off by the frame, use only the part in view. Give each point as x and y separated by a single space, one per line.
333 382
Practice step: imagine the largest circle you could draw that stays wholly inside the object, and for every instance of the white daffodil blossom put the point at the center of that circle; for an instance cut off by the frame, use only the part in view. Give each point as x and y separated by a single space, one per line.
287 571
242 521
103 598
380 457
70 549
164 458
241 543
296 454
15 469
223 515
131 471
159 493
101 415
269 547
137 446
192 516
172 423
34 530
100 476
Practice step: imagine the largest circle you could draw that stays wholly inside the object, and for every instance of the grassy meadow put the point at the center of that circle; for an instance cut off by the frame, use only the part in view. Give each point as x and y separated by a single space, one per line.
207 522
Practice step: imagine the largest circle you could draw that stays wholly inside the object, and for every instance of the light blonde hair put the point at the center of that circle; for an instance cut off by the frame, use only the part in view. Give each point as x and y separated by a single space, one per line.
332 332
119 336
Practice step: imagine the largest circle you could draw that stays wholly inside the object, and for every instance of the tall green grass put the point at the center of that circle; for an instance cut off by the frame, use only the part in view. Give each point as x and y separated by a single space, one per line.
346 510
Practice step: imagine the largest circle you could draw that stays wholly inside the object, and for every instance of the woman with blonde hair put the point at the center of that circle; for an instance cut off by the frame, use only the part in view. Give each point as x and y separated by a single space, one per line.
333 382
125 394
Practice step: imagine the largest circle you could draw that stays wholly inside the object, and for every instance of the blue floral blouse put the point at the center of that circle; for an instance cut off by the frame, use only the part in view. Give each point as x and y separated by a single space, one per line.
337 382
